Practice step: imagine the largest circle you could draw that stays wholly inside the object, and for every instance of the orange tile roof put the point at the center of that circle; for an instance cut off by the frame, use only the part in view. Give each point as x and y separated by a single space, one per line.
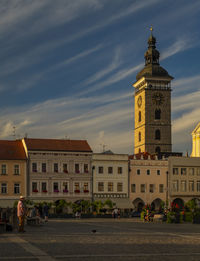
12 150
57 145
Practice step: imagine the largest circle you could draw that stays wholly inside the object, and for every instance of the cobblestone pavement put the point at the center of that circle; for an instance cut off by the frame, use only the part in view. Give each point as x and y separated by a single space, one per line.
124 239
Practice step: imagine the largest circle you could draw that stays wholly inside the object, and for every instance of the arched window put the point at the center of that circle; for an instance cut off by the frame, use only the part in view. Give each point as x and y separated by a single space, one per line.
139 151
157 134
157 149
157 114
139 136
139 116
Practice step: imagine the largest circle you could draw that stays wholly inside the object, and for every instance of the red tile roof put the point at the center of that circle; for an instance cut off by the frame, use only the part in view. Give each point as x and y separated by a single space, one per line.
57 145
142 155
12 150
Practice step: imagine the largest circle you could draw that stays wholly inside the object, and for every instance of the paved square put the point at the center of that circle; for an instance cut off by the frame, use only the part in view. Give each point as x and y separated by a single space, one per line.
124 239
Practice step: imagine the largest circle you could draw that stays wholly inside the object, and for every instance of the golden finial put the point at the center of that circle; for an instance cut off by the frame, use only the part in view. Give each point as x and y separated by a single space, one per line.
151 28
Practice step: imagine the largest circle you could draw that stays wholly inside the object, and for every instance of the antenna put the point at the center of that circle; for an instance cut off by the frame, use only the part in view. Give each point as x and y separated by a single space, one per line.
14 132
103 147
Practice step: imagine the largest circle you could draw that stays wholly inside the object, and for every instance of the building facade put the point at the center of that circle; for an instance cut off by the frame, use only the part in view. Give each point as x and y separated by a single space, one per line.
184 179
148 181
13 172
196 141
110 178
152 105
59 169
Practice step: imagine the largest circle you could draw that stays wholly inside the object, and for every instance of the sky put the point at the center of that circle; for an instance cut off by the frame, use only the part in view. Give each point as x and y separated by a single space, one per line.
67 68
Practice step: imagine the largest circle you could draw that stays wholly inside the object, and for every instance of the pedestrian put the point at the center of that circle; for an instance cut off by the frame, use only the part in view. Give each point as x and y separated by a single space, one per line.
115 213
21 212
46 212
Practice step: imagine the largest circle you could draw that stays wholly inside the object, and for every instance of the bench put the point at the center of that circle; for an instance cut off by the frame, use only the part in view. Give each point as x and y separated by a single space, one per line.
32 221
158 217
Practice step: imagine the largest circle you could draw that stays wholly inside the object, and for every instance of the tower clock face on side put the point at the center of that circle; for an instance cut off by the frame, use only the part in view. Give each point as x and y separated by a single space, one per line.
158 98
139 101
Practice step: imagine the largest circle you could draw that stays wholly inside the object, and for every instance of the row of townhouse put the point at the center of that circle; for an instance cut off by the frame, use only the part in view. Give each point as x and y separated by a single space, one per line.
49 169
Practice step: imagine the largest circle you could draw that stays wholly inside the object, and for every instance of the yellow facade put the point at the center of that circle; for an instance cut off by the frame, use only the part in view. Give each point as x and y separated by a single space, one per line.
196 141
12 181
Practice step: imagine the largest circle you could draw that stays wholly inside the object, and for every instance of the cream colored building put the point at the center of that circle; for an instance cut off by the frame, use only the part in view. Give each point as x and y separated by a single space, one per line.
13 175
152 131
110 178
196 141
184 179
59 169
148 181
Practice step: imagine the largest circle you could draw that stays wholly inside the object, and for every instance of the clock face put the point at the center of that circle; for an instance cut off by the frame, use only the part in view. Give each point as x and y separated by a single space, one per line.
158 98
139 101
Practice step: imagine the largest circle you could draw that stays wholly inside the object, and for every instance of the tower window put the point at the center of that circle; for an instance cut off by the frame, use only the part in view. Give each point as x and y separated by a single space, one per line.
139 116
157 149
157 114
157 134
139 136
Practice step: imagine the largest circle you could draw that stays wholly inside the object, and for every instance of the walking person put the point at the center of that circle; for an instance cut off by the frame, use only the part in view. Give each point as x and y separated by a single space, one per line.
21 212
46 212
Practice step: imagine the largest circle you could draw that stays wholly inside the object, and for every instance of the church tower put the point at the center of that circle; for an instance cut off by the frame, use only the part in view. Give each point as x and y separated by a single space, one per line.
152 105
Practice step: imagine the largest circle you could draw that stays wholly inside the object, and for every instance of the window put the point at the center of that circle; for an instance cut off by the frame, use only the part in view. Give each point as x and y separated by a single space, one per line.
85 168
191 171
175 171
119 170
198 171
65 170
85 187
158 172
100 186
34 187
65 186
44 187
3 188
157 135
133 188
161 188
148 171
55 187
110 170
139 150
151 188
157 150
16 169
110 186
44 167
139 116
100 170
77 170
142 188
3 169
175 185
77 186
157 114
183 171
55 167
138 171
34 167
198 185
139 136
119 187
183 185
16 188
191 185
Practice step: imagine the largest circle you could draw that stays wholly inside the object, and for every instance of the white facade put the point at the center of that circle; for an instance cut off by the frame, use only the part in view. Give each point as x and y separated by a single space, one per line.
110 178
184 179
196 141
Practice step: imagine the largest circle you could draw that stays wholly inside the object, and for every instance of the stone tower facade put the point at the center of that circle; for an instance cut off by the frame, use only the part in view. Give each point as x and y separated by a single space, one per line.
152 105
196 141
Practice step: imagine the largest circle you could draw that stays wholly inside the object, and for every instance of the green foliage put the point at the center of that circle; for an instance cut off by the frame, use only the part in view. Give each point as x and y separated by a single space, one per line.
188 217
109 203
97 206
191 204
171 217
142 214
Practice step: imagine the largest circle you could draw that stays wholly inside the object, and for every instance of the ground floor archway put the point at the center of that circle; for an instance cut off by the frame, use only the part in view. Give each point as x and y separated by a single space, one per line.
178 202
138 204
156 204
